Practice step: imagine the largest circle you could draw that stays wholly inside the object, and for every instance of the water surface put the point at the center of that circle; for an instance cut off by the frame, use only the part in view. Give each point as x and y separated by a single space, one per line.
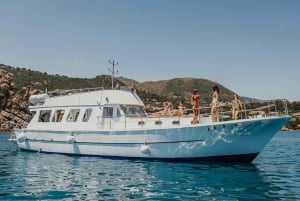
274 175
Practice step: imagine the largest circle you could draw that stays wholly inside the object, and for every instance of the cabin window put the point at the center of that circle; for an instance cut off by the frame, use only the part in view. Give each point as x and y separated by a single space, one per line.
134 111
58 115
44 116
141 111
73 115
131 111
87 114
108 112
32 114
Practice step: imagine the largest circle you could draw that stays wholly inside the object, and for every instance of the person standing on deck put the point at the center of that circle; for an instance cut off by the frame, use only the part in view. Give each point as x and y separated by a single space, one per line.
215 116
236 106
117 87
195 105
181 108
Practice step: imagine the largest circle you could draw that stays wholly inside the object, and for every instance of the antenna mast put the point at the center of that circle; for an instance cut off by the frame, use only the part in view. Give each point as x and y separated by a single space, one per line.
113 71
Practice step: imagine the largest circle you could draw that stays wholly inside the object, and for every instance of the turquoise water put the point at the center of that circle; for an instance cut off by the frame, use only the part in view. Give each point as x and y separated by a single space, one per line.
274 175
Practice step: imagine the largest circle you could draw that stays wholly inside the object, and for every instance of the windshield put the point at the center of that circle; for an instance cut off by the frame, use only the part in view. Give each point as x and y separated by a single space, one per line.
133 110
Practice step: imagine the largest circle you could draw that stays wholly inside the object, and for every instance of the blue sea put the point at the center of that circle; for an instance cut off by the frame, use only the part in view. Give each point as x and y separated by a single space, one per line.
274 175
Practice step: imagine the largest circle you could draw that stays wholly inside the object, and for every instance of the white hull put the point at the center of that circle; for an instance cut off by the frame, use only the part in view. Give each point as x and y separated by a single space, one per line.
240 140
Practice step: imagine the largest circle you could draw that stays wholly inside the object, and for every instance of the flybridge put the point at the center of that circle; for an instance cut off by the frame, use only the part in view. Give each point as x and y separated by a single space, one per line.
39 99
86 97
72 91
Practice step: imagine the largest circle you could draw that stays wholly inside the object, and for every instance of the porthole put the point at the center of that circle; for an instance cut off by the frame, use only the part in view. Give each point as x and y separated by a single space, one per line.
158 123
141 122
176 122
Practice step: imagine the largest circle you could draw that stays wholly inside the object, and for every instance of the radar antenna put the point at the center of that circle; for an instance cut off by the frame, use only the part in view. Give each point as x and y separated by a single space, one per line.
113 71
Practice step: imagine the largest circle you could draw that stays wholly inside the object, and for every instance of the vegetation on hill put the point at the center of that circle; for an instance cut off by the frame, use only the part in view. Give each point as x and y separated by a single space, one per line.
164 90
27 78
153 93
178 87
183 87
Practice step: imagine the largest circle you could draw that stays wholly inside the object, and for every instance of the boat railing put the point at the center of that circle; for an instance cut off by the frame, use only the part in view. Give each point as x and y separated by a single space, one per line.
72 91
249 110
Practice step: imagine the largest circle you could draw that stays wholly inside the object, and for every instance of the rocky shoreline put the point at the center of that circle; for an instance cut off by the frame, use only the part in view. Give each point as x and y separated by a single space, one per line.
14 103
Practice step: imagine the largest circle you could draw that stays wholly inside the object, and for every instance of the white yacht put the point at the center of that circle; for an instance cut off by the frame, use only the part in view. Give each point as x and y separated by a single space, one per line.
114 123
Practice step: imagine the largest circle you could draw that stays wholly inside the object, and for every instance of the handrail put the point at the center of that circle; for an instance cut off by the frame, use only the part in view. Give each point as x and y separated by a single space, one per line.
265 110
271 106
72 91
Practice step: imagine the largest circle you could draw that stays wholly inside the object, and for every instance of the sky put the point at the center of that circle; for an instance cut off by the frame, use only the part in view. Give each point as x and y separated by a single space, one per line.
249 46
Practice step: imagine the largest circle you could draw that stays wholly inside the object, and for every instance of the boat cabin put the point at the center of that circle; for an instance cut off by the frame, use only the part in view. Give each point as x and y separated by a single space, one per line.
95 109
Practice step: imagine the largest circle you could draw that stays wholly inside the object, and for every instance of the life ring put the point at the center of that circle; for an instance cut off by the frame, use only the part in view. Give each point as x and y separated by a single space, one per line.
70 139
145 149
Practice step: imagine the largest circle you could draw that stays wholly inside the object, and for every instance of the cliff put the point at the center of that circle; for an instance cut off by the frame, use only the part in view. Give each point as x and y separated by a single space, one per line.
13 103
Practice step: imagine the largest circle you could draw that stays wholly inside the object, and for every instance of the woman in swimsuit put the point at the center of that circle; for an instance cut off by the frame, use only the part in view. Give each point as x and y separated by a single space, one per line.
195 105
215 105
181 107
236 106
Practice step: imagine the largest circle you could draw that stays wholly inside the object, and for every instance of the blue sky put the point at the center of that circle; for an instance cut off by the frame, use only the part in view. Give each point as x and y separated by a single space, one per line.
251 47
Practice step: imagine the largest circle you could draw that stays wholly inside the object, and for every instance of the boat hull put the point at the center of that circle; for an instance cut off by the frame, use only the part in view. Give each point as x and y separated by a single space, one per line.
241 158
239 141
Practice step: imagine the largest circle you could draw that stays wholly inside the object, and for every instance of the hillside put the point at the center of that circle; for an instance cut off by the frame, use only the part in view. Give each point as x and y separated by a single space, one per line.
177 88
17 84
183 87
27 78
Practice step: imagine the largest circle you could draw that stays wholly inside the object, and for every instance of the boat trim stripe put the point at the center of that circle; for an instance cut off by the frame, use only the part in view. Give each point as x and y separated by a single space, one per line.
110 143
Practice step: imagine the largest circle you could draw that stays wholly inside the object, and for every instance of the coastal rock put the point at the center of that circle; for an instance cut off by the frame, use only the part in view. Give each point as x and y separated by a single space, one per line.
3 100
14 103
6 80
20 99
